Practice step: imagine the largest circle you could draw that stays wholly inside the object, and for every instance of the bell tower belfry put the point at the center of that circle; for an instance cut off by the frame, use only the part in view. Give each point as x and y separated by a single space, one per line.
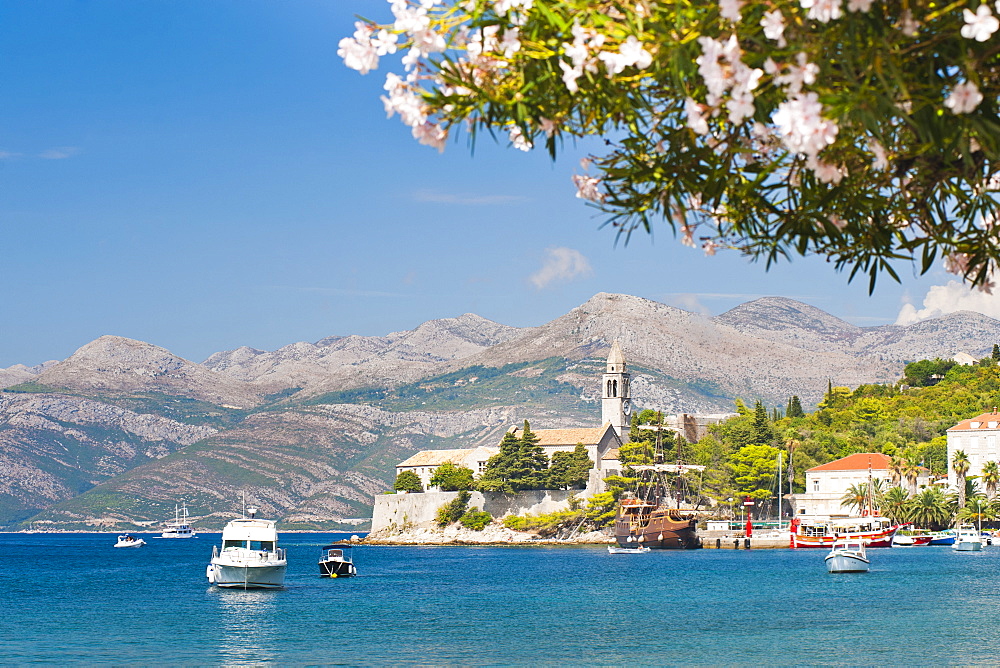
616 395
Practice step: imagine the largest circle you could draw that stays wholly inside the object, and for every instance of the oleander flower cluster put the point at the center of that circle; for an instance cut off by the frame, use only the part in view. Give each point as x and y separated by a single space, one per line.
856 129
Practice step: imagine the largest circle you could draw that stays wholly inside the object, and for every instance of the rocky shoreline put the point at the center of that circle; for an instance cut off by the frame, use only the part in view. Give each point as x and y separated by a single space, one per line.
491 535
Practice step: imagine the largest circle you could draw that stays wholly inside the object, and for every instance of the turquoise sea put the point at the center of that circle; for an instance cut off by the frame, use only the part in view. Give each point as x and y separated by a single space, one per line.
73 598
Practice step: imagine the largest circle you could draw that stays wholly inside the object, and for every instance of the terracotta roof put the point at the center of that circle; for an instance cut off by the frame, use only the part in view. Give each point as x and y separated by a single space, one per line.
856 462
437 457
983 421
554 437
611 454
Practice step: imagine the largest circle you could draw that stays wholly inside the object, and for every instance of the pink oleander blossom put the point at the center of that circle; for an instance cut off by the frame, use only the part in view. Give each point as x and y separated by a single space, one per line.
979 25
801 125
964 98
587 188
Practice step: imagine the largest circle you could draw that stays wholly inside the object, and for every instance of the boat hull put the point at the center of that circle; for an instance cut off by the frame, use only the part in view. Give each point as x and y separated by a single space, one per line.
336 569
967 546
660 530
232 576
846 563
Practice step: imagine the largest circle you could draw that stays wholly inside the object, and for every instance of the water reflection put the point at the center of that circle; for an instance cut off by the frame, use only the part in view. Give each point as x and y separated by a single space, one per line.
247 629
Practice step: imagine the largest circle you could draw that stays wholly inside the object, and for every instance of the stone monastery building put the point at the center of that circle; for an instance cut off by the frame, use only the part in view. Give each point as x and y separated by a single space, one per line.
601 442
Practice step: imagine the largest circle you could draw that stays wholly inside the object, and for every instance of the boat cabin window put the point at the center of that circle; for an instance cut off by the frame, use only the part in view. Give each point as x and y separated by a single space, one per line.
262 545
336 553
233 543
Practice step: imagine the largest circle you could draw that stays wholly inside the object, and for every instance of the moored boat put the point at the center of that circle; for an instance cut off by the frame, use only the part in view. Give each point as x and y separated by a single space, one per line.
946 537
179 528
336 561
847 556
612 549
128 540
873 530
250 557
645 518
967 539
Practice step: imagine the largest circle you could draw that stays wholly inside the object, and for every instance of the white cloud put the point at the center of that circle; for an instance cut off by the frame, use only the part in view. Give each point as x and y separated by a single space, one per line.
688 302
948 298
450 198
59 153
561 264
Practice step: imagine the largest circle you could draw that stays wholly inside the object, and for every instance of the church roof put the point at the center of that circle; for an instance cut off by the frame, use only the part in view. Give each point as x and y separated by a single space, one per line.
553 437
438 457
616 356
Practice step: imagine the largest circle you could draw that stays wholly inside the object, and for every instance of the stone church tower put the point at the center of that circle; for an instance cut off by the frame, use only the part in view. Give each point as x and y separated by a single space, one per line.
616 395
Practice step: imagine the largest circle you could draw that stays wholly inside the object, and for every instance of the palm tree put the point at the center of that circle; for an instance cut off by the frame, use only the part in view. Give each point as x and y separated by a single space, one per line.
896 466
894 504
977 511
911 471
929 508
855 496
990 478
960 463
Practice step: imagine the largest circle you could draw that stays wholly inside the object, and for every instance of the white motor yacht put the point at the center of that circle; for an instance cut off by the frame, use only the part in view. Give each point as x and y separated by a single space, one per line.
847 556
967 539
250 557
179 528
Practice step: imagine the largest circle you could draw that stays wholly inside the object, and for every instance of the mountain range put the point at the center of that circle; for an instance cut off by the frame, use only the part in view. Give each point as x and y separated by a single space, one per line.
120 431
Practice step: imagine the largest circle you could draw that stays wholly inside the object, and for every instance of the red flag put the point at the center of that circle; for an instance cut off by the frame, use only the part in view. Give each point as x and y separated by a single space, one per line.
749 527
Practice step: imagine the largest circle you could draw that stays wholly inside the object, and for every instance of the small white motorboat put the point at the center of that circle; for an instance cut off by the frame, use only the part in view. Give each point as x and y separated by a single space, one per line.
128 540
902 540
967 539
847 556
250 557
639 549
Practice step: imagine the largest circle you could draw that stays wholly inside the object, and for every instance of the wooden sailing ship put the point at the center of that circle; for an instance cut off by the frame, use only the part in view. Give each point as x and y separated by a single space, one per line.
645 518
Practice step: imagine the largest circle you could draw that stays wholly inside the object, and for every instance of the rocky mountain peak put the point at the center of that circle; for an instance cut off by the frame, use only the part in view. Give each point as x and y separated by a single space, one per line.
119 364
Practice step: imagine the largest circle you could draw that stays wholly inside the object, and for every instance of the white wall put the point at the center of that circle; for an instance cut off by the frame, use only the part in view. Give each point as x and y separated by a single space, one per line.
421 509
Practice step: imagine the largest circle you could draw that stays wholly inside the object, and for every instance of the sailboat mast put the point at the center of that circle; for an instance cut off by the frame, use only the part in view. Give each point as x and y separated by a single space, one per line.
779 490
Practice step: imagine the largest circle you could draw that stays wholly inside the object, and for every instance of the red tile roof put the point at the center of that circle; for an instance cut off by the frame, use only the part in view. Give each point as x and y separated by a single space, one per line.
857 462
984 420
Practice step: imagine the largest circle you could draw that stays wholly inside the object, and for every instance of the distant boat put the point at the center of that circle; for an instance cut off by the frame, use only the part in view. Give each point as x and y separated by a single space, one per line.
847 556
336 561
128 540
968 539
179 528
250 557
627 550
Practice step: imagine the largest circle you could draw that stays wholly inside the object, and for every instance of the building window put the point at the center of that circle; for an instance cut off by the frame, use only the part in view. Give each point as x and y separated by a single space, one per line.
815 485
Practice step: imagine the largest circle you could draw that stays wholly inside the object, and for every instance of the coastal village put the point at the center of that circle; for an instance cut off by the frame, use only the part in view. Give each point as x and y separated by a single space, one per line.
414 515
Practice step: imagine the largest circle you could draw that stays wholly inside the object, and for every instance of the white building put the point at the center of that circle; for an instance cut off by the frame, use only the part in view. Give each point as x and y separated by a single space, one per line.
426 462
826 484
977 438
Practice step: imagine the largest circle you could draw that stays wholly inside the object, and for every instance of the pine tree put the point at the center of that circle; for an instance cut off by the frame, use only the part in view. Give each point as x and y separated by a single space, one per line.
795 408
996 353
760 425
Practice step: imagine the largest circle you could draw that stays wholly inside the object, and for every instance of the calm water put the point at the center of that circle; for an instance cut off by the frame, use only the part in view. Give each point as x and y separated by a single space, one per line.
76 599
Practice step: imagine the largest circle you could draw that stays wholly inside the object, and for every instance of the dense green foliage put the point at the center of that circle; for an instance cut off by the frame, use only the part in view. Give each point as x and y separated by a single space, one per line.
521 464
451 478
475 519
570 470
453 511
408 481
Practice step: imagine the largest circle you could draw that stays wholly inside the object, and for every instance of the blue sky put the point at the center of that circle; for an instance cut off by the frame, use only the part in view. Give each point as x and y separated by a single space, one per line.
206 174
